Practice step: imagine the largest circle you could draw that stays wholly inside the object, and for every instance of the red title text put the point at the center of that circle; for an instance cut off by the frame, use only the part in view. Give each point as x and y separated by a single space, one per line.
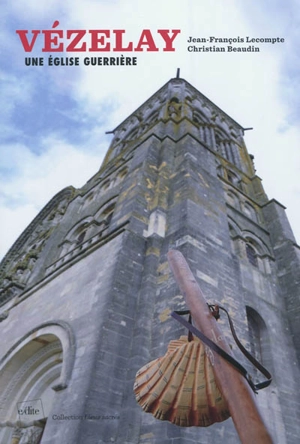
97 40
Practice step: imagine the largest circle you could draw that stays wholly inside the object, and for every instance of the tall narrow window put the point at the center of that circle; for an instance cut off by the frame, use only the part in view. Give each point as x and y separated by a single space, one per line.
259 342
249 210
232 178
108 213
254 336
80 238
251 255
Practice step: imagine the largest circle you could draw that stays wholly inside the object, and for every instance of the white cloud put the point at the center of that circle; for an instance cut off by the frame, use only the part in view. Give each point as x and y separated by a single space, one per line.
36 11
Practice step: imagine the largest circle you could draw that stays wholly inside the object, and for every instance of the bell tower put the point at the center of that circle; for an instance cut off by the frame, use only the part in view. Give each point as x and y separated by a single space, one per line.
86 291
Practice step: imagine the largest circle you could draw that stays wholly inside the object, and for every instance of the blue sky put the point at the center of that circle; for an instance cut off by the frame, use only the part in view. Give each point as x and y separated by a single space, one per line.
53 119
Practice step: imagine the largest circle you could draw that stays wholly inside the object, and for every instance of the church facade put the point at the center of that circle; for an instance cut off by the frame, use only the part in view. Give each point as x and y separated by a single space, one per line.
86 291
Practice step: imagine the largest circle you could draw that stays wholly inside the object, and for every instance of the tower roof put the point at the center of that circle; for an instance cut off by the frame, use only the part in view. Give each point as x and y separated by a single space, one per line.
187 90
175 102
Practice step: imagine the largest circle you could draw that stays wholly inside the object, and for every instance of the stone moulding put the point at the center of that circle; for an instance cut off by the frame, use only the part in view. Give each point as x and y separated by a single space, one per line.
64 332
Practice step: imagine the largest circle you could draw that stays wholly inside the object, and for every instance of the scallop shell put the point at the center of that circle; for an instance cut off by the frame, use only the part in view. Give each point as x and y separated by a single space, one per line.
180 387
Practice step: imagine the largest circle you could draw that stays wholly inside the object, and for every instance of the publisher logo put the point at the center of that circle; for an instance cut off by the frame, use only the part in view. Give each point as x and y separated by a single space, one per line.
30 410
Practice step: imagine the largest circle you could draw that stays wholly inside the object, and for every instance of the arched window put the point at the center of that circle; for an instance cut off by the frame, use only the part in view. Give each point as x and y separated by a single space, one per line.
132 134
122 174
218 143
80 237
233 178
256 252
81 232
153 117
107 214
105 185
174 107
89 198
259 341
249 210
260 348
254 336
232 199
199 117
224 144
251 255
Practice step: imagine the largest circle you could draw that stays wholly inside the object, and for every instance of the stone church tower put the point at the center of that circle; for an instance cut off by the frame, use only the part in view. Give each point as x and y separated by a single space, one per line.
86 290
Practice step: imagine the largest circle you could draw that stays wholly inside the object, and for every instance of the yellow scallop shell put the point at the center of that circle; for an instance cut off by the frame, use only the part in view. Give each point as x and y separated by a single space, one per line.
180 387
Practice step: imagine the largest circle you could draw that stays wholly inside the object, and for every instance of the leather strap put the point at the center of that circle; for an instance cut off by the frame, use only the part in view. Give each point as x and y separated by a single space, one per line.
213 346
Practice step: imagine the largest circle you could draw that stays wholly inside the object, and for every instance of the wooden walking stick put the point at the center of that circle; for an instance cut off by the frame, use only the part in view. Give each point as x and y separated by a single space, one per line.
233 385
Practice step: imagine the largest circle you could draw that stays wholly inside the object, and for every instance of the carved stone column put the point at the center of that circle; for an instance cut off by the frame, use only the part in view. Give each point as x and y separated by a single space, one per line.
17 435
